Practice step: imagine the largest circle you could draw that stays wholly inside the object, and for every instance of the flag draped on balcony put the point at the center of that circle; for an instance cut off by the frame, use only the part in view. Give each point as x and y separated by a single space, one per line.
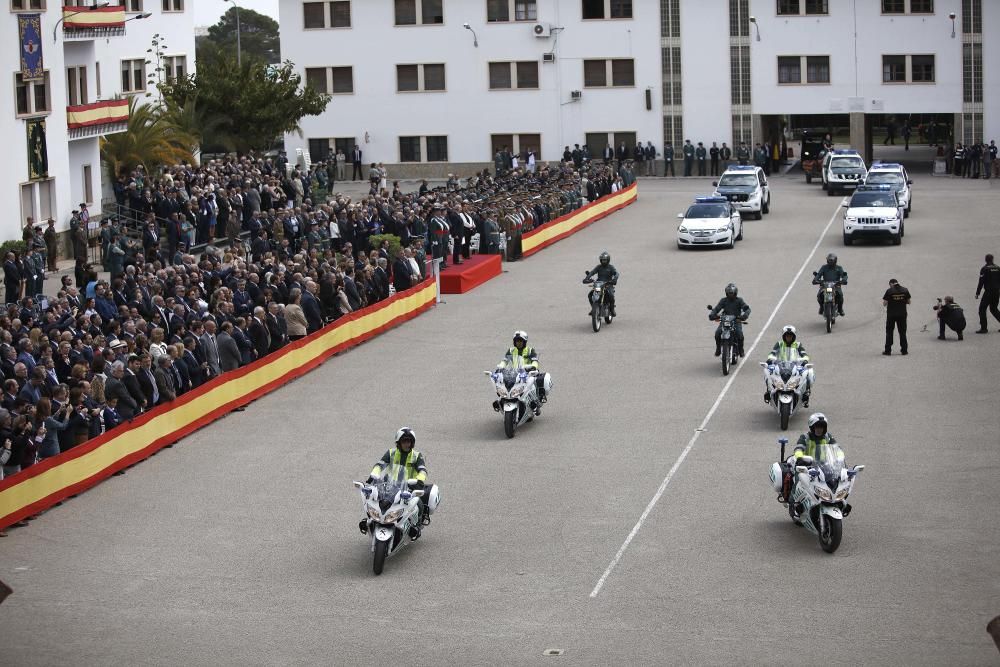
77 18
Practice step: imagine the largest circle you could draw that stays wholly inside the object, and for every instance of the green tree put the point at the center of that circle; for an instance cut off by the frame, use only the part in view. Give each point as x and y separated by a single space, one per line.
258 36
151 140
257 102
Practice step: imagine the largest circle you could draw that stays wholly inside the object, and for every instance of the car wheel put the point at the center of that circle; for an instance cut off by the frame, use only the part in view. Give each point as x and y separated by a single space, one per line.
740 236
897 239
829 191
848 240
902 230
766 206
809 178
732 239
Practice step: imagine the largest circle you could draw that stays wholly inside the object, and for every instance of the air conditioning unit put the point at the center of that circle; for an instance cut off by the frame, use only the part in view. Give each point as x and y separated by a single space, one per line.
548 57
542 30
575 95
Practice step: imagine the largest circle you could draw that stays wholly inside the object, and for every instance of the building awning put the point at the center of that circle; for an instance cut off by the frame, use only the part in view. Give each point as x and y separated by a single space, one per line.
82 18
98 113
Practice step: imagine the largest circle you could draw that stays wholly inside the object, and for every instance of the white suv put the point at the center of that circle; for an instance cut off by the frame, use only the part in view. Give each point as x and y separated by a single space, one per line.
873 212
746 187
843 170
890 173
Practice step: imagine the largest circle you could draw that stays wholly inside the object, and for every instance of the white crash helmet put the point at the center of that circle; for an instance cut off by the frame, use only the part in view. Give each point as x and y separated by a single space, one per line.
404 432
788 329
818 418
523 335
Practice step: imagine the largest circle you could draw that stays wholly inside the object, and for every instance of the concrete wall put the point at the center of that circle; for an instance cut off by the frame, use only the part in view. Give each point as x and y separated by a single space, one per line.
991 71
705 71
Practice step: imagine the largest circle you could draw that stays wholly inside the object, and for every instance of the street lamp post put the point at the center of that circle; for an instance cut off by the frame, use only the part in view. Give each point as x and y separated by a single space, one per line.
239 51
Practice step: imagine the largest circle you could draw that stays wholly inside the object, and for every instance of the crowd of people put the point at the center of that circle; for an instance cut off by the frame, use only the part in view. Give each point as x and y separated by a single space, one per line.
97 352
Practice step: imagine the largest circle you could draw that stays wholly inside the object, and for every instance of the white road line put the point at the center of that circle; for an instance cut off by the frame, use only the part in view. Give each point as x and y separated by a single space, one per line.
715 406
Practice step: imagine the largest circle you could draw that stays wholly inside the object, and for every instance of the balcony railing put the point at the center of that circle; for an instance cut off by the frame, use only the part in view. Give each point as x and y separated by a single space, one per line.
85 23
99 118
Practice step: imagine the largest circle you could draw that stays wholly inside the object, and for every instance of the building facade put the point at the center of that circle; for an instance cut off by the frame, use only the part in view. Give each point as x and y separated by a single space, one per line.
432 86
92 59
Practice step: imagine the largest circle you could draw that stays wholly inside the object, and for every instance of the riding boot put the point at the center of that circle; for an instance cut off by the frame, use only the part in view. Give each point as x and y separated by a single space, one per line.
363 526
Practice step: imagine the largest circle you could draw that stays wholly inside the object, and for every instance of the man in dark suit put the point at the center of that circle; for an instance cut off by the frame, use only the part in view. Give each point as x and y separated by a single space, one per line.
147 380
357 174
258 333
229 352
381 279
402 272
12 278
150 248
311 307
351 288
131 381
274 324
210 349
115 388
166 383
242 341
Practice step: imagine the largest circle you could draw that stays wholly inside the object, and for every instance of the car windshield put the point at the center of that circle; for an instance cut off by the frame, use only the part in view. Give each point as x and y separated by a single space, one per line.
873 200
885 178
707 211
847 164
738 180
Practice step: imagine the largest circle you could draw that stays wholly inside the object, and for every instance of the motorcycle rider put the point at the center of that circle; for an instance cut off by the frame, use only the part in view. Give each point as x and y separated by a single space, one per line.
809 444
404 454
605 272
731 304
522 355
789 349
831 272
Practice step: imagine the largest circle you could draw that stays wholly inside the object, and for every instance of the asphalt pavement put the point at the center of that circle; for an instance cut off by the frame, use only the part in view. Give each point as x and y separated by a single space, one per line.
239 546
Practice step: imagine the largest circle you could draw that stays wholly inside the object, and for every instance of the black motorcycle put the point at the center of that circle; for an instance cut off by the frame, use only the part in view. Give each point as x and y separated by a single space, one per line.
600 308
731 340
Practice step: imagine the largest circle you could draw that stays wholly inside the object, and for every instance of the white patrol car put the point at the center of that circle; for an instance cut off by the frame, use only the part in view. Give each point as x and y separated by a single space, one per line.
873 212
890 173
746 187
710 221
843 170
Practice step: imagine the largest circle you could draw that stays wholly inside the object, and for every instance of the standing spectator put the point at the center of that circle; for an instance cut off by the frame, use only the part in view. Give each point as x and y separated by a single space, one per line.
115 388
639 155
989 286
259 335
229 351
12 278
402 276
973 159
699 155
341 162
713 154
668 159
895 300
906 132
890 132
650 159
294 317
209 346
51 248
992 150
166 383
950 313
743 154
688 151
725 155
958 160
53 424
356 162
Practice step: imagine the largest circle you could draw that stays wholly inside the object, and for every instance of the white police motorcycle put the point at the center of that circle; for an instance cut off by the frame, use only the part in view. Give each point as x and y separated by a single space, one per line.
517 395
819 490
393 512
786 381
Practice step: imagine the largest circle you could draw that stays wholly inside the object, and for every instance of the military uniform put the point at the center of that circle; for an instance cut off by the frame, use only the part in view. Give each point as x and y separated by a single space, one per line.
668 159
688 151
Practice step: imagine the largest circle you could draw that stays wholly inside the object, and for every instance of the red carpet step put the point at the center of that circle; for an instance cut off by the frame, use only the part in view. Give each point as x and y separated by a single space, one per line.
470 274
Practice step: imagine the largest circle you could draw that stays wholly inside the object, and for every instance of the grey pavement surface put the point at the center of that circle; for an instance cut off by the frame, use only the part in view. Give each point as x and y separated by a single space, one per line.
239 545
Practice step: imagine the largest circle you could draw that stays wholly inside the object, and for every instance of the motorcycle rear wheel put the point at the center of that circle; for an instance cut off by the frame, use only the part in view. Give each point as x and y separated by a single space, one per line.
785 410
726 357
381 551
829 539
509 422
595 317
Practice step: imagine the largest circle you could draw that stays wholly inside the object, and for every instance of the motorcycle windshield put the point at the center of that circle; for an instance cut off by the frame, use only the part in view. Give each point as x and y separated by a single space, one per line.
785 368
390 482
510 377
830 459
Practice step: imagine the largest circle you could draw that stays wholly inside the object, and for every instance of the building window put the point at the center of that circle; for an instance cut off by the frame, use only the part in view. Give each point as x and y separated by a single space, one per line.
412 78
342 79
972 17
313 15
27 5
893 6
598 141
429 12
32 96
972 73
518 144
175 67
523 74
921 6
133 75
133 6
319 149
795 7
501 11
316 79
786 7
88 184
817 7
173 5
411 149
922 69
607 9
817 69
789 69
893 69
619 71
97 77
76 86
319 15
45 206
340 14
437 149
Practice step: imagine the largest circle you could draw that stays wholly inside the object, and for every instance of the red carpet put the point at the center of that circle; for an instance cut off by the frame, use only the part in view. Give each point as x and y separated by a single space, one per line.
471 274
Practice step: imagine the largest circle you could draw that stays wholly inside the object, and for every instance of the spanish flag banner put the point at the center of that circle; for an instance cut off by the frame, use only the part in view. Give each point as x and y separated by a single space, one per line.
98 113
44 484
571 223
84 18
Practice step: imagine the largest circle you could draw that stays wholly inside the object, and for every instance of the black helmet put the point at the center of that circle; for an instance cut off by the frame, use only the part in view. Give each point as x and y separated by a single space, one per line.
731 290
605 258
831 260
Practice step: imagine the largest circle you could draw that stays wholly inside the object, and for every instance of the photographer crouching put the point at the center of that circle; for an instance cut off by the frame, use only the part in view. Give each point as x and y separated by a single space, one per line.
950 314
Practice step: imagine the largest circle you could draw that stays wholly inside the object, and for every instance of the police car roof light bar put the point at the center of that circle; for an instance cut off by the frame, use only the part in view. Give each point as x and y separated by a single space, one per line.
710 200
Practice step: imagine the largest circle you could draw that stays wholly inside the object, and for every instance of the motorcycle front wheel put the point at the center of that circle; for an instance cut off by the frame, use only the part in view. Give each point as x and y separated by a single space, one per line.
595 317
829 537
509 422
607 314
785 411
381 551
726 357
829 317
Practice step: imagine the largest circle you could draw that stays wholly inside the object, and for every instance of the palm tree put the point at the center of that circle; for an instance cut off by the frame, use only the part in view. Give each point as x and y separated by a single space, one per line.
196 122
151 140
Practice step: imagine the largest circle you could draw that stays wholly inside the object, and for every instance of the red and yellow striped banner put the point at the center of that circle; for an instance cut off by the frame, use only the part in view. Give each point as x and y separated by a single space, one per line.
573 222
81 18
98 113
44 484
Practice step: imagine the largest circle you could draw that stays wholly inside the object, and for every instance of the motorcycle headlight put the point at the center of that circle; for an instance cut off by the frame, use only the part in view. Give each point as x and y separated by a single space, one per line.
516 391
823 493
778 385
792 383
374 513
842 494
393 516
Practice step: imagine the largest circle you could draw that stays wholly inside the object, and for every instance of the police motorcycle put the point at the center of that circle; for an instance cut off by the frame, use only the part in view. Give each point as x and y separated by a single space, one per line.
819 490
829 289
517 395
786 381
731 343
599 307
393 509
